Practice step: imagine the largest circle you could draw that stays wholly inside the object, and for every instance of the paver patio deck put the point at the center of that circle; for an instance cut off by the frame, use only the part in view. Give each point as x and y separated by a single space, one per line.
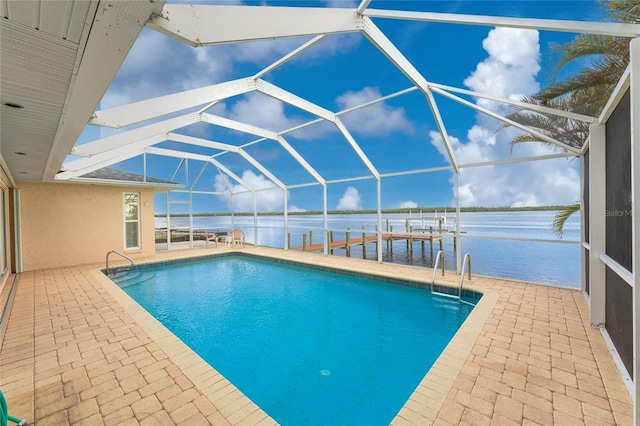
78 351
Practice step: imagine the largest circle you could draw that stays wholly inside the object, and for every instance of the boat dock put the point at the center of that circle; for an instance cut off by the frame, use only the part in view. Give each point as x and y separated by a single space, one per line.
349 242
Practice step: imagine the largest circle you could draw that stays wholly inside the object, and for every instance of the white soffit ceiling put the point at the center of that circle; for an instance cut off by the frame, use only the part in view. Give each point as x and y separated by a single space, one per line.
57 58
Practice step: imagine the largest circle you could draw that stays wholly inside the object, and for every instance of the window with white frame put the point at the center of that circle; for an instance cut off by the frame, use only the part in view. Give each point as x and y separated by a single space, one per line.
131 220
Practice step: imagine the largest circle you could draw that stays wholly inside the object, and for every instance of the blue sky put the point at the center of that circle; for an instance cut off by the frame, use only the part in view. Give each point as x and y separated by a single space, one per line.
398 134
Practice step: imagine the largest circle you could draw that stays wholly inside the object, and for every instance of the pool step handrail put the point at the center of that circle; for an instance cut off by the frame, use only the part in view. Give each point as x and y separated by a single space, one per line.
465 261
439 256
119 254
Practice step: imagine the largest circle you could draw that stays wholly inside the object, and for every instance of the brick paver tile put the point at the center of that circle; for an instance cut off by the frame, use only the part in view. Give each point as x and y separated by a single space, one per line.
125 371
509 408
95 420
516 366
119 417
146 407
133 383
484 393
500 420
592 387
180 399
540 417
156 384
532 400
538 390
167 392
475 403
472 417
56 406
83 410
597 413
182 413
198 420
159 418
119 402
561 418
514 380
205 406
567 405
216 418
588 398
56 419
495 385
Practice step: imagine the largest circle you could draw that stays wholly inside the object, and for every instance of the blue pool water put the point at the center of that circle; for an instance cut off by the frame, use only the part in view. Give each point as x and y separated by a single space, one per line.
308 346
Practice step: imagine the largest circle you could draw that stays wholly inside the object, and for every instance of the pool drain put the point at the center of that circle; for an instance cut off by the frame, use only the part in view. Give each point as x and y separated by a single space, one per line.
325 372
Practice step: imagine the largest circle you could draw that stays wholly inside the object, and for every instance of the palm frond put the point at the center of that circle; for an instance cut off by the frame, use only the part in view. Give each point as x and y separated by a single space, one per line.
562 216
624 10
567 131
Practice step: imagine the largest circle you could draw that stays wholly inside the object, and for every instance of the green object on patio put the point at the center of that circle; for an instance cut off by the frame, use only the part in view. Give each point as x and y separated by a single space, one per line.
4 413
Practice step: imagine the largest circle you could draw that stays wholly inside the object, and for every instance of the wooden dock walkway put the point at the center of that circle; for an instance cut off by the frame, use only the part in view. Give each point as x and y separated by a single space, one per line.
360 241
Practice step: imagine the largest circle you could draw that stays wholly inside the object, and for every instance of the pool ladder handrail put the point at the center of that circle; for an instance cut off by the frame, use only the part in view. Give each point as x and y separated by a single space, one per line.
120 254
435 267
465 261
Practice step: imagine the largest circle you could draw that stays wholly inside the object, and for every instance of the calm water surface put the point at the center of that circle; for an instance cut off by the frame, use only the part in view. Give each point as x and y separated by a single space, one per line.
542 262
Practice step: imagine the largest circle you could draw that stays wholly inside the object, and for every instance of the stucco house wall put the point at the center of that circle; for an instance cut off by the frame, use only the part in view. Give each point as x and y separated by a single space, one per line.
72 224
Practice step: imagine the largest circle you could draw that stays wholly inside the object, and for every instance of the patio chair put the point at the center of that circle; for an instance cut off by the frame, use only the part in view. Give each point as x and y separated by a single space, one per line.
237 237
211 237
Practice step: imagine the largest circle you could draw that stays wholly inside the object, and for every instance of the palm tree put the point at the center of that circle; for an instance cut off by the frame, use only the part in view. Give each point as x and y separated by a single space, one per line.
586 92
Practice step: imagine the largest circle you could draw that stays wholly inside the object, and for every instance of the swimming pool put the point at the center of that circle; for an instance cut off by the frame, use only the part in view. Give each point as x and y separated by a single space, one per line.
307 346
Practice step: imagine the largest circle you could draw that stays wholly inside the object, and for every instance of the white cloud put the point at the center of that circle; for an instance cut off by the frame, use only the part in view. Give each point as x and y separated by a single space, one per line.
295 209
268 201
377 119
408 205
158 65
350 200
262 111
342 3
511 67
510 71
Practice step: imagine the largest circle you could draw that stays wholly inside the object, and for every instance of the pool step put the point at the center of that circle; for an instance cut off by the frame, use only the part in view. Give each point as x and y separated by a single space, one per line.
132 278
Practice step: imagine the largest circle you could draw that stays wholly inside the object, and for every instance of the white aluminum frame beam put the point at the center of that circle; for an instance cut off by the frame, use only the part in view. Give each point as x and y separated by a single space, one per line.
205 143
382 43
204 25
226 148
125 115
289 56
558 25
125 138
85 165
359 152
634 66
524 105
293 100
516 160
254 130
507 121
362 6
199 157
100 162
